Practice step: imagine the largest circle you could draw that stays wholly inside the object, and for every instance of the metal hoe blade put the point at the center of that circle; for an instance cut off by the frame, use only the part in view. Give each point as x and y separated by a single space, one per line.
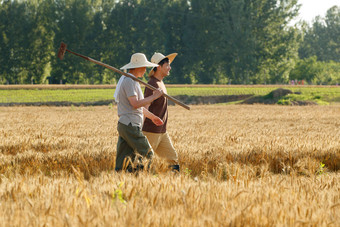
62 50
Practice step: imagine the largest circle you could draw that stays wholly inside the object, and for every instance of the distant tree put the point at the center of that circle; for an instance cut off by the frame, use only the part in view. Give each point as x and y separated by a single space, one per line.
218 41
42 34
322 39
242 41
15 27
74 20
316 72
168 38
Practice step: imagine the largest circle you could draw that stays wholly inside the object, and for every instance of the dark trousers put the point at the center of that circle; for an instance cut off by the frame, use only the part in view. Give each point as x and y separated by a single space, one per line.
131 140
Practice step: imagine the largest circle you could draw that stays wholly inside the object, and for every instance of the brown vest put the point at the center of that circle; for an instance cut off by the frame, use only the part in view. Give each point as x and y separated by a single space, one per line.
158 107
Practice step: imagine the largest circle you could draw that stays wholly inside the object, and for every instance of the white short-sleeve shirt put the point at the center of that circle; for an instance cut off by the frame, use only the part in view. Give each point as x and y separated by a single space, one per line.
127 114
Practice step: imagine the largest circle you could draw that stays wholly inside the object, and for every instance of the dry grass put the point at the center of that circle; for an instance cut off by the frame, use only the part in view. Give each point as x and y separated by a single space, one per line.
241 165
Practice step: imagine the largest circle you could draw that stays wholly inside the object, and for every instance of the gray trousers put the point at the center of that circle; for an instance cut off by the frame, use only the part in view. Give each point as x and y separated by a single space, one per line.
131 140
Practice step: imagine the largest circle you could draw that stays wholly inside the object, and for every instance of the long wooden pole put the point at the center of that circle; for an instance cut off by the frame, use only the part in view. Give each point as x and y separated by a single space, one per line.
128 75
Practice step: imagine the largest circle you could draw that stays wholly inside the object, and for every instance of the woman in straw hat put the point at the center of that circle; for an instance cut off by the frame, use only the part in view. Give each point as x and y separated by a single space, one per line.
157 134
131 112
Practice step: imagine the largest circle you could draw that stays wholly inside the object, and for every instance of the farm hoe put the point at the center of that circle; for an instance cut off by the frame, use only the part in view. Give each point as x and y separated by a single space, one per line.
63 49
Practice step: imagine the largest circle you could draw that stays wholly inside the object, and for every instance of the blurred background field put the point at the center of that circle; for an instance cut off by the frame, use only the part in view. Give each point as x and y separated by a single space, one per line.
25 94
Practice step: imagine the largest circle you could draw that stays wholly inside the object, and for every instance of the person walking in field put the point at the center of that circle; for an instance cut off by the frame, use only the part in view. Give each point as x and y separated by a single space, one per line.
131 112
157 134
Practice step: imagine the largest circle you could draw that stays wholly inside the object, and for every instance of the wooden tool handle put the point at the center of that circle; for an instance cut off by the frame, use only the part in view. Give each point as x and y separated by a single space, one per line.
132 77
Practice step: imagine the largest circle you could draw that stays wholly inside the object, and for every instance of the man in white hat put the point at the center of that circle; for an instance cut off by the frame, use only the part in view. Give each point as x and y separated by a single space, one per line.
157 134
131 111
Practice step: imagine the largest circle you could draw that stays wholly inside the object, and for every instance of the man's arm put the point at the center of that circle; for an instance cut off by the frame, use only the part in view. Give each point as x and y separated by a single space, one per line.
143 102
156 120
148 92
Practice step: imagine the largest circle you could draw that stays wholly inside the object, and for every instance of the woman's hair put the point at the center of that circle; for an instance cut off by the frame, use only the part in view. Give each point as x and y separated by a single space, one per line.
165 60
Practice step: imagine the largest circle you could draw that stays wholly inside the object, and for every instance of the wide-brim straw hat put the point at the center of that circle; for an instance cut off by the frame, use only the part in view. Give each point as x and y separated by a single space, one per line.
158 57
138 60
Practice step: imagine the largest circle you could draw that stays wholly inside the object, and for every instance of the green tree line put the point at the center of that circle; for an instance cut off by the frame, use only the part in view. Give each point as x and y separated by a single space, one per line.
217 41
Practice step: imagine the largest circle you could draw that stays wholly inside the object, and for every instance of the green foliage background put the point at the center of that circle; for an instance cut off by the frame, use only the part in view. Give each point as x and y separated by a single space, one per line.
218 41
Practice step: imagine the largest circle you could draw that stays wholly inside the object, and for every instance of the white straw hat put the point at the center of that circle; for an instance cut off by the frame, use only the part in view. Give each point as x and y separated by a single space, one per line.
138 60
158 57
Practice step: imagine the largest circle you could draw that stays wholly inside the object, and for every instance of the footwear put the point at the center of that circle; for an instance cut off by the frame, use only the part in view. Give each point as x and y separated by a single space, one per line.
129 169
139 167
175 168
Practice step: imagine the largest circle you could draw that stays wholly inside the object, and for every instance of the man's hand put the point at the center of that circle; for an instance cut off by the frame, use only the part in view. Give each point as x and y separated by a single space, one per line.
157 121
158 93
135 103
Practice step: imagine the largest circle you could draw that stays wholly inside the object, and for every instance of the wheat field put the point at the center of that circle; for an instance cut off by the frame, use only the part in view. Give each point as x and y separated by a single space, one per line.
241 165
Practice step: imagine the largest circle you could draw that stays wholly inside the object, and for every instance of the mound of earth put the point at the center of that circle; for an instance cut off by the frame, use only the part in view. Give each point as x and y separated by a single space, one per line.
274 96
280 92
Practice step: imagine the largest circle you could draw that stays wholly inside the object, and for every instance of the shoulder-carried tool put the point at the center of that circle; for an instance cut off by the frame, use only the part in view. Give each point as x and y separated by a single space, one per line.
63 49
